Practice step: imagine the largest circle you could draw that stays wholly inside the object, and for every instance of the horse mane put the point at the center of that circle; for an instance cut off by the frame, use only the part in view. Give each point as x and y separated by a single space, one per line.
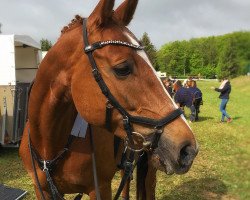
77 21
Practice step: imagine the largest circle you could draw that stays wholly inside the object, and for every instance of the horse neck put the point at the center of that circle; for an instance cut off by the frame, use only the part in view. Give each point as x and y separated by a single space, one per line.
51 108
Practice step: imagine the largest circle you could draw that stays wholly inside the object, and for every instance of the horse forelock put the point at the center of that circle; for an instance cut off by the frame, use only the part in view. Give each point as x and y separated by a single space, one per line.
78 20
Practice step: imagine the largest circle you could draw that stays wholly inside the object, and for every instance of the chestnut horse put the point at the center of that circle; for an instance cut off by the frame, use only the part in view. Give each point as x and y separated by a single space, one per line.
124 76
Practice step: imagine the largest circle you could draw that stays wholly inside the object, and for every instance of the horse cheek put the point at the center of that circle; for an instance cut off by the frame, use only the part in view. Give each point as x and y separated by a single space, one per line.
89 101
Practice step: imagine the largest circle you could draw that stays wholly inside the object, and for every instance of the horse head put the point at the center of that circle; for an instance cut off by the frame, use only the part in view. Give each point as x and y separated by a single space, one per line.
127 73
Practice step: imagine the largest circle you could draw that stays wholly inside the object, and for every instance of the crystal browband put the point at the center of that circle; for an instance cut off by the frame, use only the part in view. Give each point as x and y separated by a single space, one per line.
98 45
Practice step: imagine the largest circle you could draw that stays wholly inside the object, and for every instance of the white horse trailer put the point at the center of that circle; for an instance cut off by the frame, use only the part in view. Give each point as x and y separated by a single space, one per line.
20 57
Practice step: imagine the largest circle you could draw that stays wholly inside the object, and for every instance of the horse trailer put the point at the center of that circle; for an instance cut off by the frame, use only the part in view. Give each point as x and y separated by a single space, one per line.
20 57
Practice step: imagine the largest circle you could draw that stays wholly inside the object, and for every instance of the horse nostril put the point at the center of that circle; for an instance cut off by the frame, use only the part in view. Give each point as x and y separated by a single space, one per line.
187 154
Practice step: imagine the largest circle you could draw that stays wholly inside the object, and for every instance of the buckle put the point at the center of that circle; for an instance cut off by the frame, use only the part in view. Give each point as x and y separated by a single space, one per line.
128 166
125 120
45 168
96 74
108 104
158 130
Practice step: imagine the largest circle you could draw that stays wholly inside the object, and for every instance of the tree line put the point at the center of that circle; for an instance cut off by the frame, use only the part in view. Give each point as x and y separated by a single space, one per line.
216 56
211 57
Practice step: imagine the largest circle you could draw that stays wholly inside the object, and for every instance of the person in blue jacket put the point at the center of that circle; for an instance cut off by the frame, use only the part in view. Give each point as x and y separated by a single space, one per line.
197 97
183 98
225 90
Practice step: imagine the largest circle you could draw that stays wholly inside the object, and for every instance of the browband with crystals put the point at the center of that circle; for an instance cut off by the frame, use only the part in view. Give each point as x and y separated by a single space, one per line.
98 45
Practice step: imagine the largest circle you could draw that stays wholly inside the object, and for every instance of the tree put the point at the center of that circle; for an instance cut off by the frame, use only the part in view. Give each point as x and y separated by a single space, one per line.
226 55
173 58
228 60
149 49
45 44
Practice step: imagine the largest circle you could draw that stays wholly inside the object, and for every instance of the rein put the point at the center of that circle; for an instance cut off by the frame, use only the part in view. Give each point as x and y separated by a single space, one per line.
47 166
113 103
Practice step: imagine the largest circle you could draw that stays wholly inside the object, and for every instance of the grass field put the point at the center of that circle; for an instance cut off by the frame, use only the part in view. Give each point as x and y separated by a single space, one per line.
221 169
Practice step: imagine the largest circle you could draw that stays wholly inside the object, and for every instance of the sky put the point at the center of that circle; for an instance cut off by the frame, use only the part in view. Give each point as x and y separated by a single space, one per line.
164 20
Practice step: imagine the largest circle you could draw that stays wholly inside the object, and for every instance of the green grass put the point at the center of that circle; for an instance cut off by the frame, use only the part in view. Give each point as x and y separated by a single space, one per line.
221 169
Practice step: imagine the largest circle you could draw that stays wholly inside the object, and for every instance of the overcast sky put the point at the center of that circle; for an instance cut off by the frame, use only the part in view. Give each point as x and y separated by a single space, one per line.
163 20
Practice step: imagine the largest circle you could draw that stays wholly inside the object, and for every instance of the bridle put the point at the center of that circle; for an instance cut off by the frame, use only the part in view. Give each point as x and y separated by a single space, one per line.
128 119
48 165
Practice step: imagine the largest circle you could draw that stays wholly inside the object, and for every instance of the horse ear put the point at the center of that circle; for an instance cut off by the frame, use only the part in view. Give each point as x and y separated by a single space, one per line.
126 10
102 13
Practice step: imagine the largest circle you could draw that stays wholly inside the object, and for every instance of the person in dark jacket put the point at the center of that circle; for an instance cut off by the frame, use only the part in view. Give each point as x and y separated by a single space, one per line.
197 96
168 85
183 98
225 90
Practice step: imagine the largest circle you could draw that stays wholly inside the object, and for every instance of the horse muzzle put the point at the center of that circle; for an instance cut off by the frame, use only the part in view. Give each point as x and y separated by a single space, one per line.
164 159
186 158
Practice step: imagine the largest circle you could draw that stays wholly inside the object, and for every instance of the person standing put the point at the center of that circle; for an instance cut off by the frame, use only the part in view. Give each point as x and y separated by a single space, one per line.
225 90
197 97
183 98
168 85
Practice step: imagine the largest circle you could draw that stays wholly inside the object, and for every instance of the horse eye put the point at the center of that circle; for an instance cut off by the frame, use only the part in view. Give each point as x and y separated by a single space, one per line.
123 70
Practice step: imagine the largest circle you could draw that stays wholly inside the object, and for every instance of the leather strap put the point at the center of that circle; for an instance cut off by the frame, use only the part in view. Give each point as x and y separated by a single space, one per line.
34 168
47 166
97 191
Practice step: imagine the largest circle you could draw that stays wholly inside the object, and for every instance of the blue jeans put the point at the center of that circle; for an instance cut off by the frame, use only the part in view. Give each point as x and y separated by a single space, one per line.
223 109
